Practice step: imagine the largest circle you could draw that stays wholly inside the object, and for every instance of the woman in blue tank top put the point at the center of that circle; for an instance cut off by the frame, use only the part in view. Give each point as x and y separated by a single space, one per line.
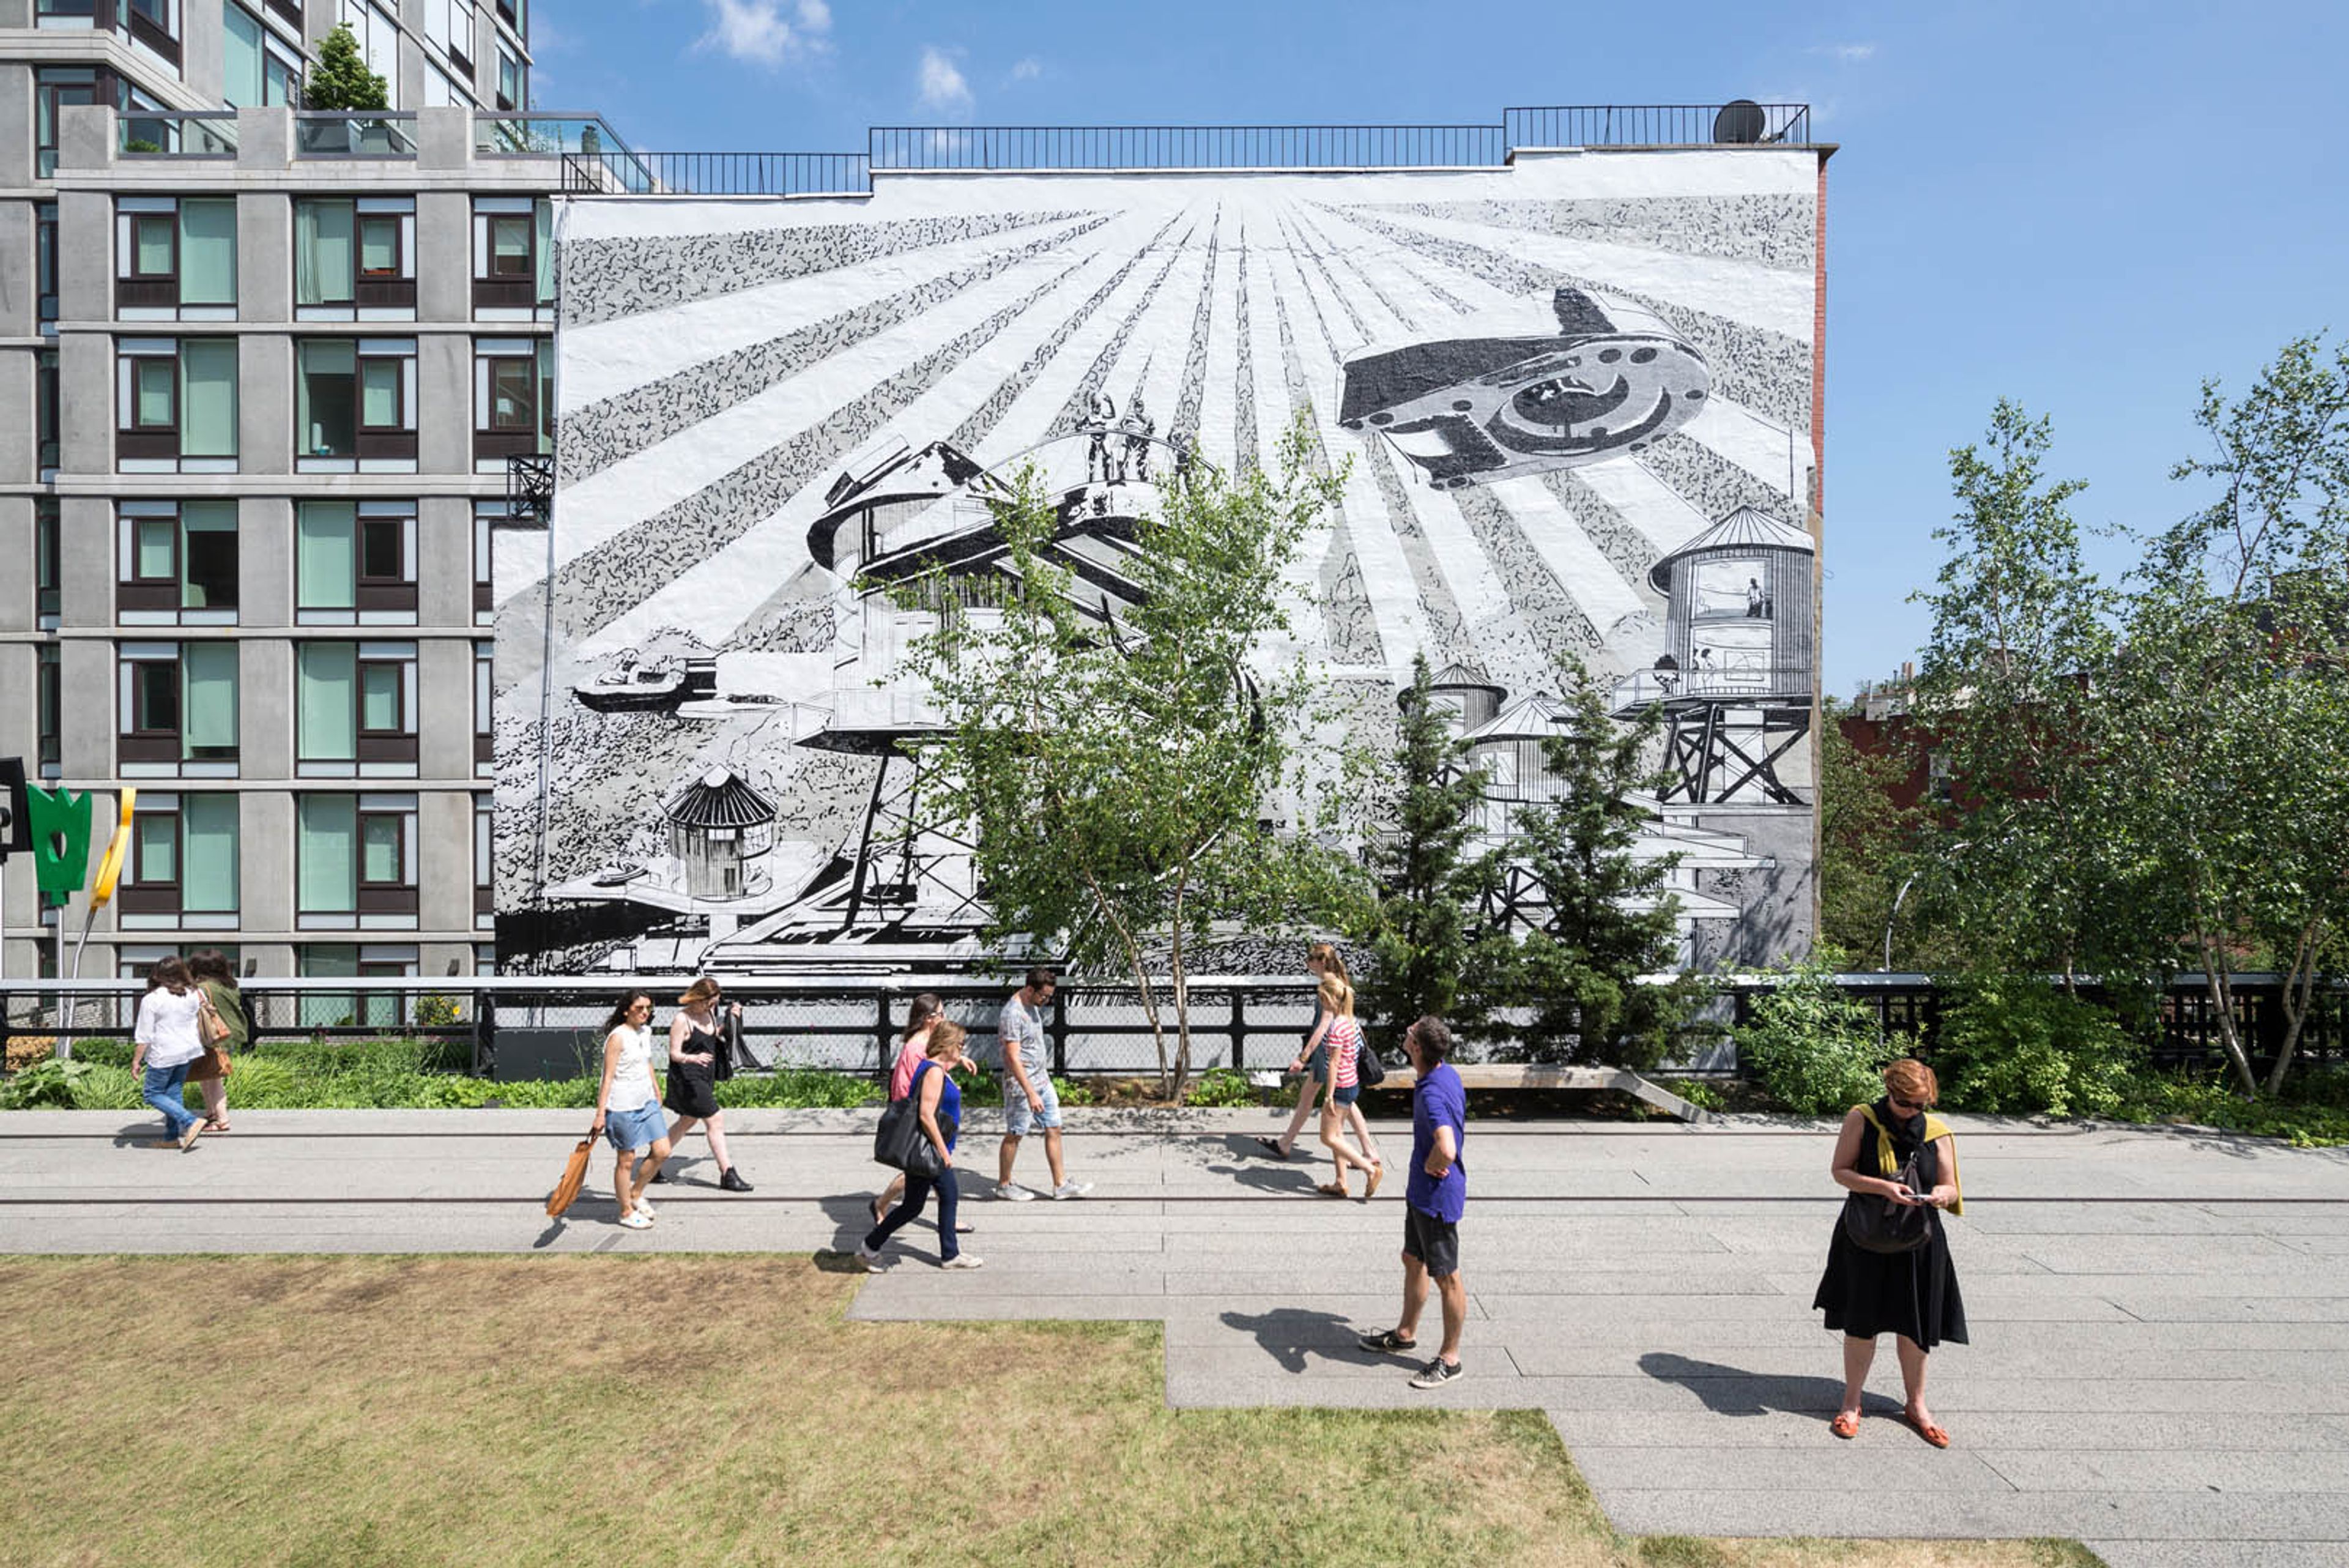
939 1098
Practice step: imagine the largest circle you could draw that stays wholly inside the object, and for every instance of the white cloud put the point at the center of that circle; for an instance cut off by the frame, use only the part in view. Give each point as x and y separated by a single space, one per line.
1849 53
755 30
1028 70
942 84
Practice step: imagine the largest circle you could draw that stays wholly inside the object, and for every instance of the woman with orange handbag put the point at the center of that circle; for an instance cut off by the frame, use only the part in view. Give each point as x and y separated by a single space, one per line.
226 1032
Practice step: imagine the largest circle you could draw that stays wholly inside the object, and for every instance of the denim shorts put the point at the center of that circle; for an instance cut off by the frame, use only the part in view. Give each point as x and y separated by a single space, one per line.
1017 1117
1347 1095
633 1132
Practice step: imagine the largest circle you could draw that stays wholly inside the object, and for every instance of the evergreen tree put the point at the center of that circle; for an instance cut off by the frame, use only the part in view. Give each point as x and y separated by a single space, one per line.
1601 919
341 79
1429 950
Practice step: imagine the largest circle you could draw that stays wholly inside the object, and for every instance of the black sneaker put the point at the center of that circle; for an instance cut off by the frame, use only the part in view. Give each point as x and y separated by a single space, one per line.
733 1182
1386 1342
1437 1373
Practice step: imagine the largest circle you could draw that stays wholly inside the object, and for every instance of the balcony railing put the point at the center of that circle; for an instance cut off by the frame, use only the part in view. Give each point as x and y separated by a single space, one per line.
197 133
607 170
1643 688
565 136
348 133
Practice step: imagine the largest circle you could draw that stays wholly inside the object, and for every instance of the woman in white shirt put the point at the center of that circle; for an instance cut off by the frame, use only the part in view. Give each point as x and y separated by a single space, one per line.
166 1041
629 1108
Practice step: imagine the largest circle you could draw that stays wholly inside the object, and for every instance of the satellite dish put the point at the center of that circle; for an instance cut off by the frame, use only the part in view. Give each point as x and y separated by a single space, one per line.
1740 123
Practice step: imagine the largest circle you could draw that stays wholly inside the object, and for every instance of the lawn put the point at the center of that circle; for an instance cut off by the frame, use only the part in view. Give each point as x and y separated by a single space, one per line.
706 1410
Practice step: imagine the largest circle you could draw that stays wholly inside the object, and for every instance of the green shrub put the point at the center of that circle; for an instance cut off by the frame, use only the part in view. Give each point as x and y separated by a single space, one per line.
2314 1113
1704 1094
1221 1087
1073 1092
2016 1045
542 1095
1816 1050
43 1085
106 1087
105 1052
797 1088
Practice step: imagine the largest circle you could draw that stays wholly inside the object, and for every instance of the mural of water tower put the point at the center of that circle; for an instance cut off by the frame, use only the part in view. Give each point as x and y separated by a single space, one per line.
717 826
1737 677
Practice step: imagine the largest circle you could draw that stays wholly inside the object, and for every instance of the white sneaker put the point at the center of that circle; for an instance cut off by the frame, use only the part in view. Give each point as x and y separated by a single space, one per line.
1073 1190
638 1220
869 1261
963 1261
1012 1192
647 1209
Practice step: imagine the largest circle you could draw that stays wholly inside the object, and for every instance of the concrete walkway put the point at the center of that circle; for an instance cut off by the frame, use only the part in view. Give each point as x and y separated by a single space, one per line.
2160 1355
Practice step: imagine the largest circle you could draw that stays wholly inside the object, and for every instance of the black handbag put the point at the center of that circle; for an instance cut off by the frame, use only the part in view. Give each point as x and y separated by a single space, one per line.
730 1045
1368 1071
1878 1224
901 1142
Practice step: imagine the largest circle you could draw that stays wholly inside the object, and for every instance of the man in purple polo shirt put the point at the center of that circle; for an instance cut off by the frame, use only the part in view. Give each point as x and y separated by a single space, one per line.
1434 1201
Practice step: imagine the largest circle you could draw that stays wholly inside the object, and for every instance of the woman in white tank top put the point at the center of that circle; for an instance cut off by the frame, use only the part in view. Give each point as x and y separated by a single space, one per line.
628 1108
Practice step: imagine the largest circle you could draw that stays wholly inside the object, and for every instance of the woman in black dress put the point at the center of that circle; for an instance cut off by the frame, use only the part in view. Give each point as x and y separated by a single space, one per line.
697 1040
1912 1294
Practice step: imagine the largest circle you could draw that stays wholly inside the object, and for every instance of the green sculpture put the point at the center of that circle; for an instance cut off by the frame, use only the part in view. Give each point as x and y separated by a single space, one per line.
60 821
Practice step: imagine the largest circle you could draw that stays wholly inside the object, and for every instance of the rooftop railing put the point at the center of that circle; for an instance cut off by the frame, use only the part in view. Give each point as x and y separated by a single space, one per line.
1011 148
353 133
196 133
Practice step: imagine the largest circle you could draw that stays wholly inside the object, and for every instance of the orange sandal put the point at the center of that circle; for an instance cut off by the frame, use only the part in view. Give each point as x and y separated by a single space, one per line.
1845 1424
1927 1430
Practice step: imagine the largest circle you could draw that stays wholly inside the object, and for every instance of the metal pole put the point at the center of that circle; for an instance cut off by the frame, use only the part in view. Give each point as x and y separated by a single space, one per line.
65 1003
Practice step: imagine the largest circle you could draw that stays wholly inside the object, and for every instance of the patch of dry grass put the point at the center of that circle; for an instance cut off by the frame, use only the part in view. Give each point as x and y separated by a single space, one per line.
709 1410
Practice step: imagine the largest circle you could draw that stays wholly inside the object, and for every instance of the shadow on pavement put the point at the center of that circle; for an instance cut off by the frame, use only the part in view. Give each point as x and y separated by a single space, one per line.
1734 1391
1286 1334
1264 1175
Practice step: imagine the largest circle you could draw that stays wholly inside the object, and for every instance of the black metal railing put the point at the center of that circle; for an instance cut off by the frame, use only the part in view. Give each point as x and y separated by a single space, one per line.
1006 148
1115 147
716 174
1740 124
517 1027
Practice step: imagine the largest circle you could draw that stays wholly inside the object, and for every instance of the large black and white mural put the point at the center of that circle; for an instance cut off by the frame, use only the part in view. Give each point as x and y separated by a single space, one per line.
1576 394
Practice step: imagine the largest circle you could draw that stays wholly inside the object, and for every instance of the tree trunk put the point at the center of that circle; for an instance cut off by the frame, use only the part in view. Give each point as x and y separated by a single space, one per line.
1182 988
2221 986
2298 990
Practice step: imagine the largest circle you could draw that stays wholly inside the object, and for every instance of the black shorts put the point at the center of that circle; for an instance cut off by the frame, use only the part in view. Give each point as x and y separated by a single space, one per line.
1435 1242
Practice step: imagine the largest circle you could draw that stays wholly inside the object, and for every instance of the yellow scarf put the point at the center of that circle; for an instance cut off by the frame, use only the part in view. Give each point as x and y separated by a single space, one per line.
1935 1127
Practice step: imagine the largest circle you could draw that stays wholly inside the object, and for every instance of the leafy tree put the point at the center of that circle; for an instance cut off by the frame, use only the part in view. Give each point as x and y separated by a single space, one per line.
2021 862
1114 771
1866 838
341 79
1599 917
2231 693
1817 1049
1432 949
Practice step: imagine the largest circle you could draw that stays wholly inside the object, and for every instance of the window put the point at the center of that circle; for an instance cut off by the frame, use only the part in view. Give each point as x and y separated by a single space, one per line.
371 1010
514 13
178 563
175 258
449 23
45 257
356 705
184 862
57 87
48 586
153 24
513 257
486 515
356 861
355 563
177 403
513 82
48 691
355 260
355 405
261 70
378 39
514 398
44 411
485 749
485 902
178 709
64 13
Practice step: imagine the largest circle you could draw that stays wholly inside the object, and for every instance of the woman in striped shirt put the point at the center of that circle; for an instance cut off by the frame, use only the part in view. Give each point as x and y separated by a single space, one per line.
1342 1038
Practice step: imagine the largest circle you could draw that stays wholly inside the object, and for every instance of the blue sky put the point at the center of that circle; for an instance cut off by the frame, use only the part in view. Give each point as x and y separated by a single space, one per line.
2085 206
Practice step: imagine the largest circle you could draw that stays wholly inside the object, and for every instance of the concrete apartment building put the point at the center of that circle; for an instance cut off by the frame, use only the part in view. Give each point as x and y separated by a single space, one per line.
262 372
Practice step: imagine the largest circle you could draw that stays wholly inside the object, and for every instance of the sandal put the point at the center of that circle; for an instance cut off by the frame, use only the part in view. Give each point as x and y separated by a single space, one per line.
215 1128
1378 1174
1333 1190
1932 1433
1846 1425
